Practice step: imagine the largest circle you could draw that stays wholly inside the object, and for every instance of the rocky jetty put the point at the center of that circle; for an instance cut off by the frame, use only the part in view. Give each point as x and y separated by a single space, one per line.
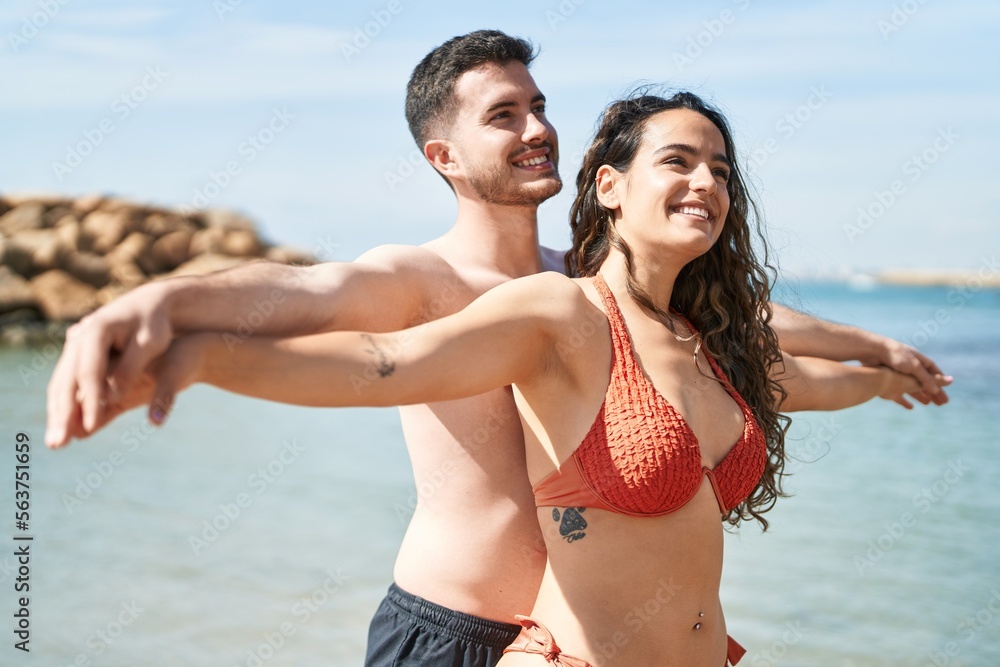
61 258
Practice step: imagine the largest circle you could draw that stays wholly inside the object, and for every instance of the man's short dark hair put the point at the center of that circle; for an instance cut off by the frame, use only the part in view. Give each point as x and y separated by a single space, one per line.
430 92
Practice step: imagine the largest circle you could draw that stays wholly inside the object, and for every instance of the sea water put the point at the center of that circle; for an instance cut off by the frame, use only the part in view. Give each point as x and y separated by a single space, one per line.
247 533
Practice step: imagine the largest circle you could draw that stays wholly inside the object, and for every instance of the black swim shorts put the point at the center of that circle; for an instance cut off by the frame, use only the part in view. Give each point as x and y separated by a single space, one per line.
409 631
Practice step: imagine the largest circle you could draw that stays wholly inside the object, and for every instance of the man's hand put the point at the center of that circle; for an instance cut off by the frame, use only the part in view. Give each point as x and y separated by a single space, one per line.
802 335
897 385
104 355
905 359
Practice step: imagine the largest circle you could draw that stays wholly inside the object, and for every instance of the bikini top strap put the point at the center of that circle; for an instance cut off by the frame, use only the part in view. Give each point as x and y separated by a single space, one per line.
619 334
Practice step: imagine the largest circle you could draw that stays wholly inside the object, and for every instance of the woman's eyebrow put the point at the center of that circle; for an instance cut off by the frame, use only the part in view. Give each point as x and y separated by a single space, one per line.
691 150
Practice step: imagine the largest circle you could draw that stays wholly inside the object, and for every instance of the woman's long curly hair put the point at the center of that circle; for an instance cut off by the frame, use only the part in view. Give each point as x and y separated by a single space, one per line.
725 293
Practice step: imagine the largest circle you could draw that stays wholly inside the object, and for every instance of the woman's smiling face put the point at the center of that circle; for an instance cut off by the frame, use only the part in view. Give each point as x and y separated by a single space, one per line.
674 196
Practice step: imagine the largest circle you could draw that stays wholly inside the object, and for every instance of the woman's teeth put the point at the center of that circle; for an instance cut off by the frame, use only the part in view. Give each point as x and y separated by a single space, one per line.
691 210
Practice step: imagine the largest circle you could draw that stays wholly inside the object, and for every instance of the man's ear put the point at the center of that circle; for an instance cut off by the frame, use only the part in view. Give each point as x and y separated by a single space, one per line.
439 153
608 179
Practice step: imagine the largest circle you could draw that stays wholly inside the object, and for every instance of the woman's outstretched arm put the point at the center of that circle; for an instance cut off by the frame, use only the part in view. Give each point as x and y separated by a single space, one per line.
509 335
807 336
820 384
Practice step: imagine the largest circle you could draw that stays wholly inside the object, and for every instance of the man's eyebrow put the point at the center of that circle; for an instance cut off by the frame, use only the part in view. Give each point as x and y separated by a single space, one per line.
691 150
503 104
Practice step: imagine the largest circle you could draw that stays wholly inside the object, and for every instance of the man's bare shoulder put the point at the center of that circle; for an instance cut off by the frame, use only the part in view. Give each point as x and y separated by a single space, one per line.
416 269
404 259
435 286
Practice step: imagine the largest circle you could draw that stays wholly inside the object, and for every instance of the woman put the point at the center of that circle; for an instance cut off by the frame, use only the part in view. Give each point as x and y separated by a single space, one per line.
664 338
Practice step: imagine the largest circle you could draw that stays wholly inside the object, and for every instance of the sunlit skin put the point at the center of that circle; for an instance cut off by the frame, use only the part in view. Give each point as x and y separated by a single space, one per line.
473 543
502 148
590 587
675 190
680 168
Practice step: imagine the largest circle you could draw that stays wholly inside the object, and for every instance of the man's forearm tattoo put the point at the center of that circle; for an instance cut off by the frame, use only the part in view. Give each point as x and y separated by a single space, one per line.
383 364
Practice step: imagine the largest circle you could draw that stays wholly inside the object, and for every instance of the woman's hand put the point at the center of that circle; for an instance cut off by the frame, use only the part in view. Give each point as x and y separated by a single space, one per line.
897 386
177 369
172 372
821 384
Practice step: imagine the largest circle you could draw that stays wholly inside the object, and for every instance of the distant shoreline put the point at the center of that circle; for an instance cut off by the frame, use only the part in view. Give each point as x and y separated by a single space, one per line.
983 278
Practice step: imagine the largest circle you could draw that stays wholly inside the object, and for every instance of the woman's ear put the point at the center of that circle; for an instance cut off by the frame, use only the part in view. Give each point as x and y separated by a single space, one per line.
439 153
606 186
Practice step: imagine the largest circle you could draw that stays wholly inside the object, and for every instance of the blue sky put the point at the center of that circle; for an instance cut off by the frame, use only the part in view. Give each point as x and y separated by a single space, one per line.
887 107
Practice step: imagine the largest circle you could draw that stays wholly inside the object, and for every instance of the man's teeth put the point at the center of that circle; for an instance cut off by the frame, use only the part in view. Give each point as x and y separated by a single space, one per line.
541 159
691 210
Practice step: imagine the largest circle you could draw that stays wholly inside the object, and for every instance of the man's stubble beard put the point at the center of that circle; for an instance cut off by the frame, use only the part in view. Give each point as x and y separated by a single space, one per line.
495 187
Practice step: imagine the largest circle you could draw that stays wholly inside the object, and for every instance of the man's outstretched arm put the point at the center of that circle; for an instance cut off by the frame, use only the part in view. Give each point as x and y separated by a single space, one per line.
803 335
106 352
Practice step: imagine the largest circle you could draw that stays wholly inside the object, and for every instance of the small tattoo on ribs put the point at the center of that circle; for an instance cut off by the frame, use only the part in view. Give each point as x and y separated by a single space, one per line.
572 523
384 366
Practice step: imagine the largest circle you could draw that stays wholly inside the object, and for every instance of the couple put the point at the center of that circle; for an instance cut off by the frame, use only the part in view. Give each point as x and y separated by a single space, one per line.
570 519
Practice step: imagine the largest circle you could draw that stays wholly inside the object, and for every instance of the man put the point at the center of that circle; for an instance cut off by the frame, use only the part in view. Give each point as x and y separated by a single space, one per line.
472 555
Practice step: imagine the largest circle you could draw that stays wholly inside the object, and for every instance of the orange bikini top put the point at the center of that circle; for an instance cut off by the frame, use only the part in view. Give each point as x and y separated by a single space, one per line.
640 457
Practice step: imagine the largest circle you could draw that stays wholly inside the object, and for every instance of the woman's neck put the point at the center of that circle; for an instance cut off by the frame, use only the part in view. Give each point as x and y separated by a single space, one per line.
654 277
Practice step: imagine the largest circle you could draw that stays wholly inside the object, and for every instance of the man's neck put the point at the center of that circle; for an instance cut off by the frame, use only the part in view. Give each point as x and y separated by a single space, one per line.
503 238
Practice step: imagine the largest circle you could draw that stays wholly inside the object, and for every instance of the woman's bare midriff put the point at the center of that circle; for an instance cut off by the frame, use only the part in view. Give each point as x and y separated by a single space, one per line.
638 591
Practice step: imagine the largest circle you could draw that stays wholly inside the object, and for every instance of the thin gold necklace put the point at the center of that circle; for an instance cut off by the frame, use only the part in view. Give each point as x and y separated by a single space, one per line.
695 336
